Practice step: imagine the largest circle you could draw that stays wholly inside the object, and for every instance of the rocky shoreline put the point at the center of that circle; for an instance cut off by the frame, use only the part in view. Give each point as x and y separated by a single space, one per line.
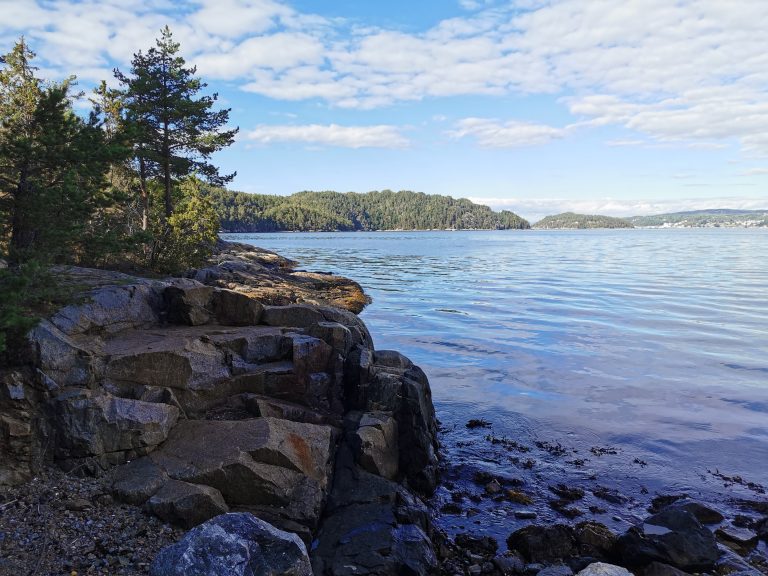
247 404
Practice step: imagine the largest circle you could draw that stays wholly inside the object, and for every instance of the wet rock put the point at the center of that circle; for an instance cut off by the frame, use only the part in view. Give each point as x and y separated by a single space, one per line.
376 443
186 504
136 481
595 539
740 540
525 514
673 537
509 563
188 303
602 569
762 529
237 545
567 493
703 513
236 309
372 526
482 545
544 543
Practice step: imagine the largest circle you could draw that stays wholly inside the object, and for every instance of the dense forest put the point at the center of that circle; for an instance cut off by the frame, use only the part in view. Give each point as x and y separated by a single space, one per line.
580 221
118 186
715 218
334 211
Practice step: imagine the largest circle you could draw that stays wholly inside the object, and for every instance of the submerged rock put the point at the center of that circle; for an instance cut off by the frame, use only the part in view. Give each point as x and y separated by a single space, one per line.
544 543
236 545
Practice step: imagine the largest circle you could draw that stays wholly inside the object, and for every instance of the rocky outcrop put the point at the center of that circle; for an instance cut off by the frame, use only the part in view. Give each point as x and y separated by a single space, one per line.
272 279
199 399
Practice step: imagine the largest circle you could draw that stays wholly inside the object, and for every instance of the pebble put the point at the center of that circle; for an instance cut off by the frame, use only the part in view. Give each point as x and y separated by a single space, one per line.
525 514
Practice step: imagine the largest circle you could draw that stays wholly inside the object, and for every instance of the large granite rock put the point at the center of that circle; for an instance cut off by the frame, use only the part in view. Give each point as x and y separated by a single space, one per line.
235 545
673 536
278 467
186 504
93 424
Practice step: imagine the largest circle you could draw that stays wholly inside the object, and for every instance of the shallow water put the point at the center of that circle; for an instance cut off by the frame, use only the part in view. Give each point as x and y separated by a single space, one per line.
653 343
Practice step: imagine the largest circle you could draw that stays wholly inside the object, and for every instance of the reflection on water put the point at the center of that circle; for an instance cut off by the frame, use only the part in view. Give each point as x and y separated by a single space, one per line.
655 341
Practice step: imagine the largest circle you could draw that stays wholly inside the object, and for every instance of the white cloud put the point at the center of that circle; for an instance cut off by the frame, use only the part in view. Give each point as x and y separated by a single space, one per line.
689 73
491 133
381 136
536 208
755 172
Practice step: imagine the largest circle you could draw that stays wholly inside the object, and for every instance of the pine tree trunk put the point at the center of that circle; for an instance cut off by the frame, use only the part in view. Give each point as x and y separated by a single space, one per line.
144 194
167 172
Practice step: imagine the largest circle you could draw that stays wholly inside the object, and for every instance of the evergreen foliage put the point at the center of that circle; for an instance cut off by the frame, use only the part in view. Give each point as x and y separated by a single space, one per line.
334 211
176 130
570 220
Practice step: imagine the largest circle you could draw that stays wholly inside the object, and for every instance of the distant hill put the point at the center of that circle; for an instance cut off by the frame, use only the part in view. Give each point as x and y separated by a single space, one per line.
572 220
716 218
335 211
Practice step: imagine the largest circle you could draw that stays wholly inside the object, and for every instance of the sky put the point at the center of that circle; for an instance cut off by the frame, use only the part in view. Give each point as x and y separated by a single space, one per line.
537 106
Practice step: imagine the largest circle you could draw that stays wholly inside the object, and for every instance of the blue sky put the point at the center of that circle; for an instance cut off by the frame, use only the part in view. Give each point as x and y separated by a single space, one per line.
538 106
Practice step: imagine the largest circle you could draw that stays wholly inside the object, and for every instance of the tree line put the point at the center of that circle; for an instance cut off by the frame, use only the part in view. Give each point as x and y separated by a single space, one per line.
581 221
120 186
334 211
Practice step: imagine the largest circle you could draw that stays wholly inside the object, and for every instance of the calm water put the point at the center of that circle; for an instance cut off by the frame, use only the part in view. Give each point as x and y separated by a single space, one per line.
652 343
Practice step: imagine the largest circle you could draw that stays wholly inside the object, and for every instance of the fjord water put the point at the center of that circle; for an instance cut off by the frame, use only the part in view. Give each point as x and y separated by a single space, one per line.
652 344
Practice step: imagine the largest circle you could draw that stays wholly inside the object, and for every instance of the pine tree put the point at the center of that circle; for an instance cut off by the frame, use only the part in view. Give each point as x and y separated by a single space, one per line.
177 130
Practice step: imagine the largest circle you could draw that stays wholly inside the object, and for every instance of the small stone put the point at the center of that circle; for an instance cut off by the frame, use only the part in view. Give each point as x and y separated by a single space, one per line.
509 564
475 570
493 487
525 514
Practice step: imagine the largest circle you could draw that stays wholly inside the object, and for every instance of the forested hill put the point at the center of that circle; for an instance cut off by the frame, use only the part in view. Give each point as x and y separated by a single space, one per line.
335 211
580 221
714 218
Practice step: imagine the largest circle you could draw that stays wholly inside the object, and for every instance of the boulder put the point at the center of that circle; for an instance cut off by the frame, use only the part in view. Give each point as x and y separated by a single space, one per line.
236 545
111 309
603 569
135 482
673 536
92 423
236 309
703 513
62 359
277 466
376 444
594 539
187 302
186 504
184 360
544 544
